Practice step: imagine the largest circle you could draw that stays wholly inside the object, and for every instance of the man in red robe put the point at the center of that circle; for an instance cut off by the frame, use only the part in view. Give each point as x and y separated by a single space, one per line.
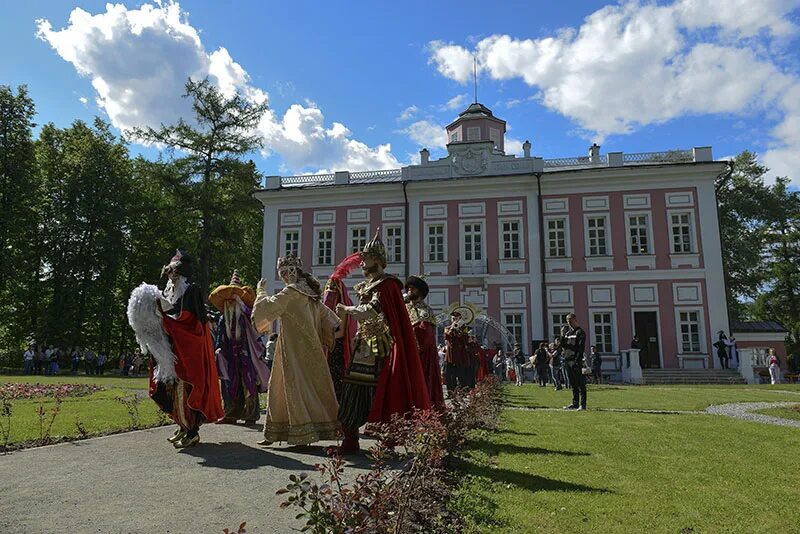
385 375
424 322
194 397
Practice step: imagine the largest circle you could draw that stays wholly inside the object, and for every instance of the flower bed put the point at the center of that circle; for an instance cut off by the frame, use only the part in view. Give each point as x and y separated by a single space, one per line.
16 391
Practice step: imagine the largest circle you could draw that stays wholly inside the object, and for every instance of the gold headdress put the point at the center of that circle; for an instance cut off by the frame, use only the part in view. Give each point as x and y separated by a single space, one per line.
290 260
375 249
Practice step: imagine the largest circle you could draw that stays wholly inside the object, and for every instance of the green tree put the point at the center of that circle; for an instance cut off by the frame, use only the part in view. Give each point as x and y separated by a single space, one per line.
86 174
215 181
741 196
19 219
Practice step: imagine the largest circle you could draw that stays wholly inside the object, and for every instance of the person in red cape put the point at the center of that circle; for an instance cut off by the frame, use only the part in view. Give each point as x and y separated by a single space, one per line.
424 322
194 398
483 364
385 375
458 370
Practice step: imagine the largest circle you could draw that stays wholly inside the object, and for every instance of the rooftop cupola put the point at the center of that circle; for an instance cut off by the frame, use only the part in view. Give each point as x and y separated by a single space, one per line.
477 123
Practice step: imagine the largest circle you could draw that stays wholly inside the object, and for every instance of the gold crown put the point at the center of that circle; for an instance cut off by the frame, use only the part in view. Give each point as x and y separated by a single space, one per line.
290 260
375 249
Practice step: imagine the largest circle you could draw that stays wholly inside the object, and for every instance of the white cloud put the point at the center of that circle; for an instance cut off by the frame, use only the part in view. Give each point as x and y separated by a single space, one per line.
634 64
513 146
139 61
455 103
83 100
408 113
427 134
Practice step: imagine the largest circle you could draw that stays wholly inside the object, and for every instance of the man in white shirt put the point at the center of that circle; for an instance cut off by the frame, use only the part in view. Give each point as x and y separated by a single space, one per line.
28 360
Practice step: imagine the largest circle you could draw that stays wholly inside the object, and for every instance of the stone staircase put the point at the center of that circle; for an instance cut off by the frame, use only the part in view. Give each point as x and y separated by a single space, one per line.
691 376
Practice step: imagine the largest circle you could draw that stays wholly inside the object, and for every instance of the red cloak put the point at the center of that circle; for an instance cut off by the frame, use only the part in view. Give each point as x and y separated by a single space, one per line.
401 386
429 357
191 343
483 364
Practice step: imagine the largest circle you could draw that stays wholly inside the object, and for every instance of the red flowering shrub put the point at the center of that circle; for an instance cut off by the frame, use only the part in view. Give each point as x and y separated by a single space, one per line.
16 391
407 487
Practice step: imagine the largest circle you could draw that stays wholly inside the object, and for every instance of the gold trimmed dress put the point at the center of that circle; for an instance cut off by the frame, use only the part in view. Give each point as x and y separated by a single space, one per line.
301 405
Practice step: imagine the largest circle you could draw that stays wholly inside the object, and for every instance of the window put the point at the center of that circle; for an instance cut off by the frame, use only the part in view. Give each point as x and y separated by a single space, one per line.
690 331
394 244
513 323
474 133
494 136
473 241
557 238
681 233
602 327
557 320
324 255
436 245
454 137
358 238
511 240
291 242
638 232
597 236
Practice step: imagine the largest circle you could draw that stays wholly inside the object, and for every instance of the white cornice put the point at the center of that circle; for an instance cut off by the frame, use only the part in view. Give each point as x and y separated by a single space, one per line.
624 276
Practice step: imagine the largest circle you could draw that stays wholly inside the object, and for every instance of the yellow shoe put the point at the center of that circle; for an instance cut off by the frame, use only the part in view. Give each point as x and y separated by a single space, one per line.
177 435
186 441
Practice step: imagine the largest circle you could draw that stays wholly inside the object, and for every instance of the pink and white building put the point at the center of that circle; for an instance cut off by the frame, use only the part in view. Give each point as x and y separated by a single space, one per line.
629 242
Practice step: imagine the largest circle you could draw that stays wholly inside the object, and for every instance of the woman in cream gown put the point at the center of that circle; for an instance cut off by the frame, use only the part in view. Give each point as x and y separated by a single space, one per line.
301 406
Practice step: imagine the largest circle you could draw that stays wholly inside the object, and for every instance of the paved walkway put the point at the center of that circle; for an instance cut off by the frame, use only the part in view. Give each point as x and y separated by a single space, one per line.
741 410
137 482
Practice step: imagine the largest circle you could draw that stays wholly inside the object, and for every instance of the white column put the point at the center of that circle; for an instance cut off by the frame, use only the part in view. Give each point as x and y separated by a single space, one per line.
532 232
712 260
414 243
270 239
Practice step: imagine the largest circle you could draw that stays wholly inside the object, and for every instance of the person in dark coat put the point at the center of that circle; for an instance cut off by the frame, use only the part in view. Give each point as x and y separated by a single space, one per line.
573 345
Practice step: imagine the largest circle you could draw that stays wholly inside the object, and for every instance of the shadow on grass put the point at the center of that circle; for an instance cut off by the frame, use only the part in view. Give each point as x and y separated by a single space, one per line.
492 448
526 481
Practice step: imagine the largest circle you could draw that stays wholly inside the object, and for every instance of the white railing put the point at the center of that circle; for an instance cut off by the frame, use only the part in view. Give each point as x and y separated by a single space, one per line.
664 156
386 175
580 161
307 179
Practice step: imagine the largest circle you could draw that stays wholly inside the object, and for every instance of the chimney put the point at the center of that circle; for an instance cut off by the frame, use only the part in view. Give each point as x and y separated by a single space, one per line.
526 148
423 156
594 153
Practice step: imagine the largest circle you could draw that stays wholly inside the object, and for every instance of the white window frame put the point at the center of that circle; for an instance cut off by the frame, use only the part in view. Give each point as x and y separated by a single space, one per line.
389 256
607 226
505 312
428 225
454 137
350 229
692 230
462 240
317 230
614 340
561 312
567 243
299 232
471 130
701 330
650 241
501 239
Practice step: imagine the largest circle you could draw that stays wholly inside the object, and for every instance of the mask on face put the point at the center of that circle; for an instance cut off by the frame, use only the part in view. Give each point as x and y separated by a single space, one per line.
289 274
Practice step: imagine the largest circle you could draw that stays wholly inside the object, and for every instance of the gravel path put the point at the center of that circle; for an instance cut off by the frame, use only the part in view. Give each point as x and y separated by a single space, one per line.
741 410
137 482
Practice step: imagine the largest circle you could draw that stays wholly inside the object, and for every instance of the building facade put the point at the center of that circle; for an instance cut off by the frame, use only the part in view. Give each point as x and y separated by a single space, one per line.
629 242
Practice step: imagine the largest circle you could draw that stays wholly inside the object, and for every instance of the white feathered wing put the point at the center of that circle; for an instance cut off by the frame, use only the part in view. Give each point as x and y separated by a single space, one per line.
144 318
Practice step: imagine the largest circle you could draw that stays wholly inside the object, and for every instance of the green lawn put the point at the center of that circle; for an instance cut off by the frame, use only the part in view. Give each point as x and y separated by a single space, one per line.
649 397
109 381
96 414
594 471
789 412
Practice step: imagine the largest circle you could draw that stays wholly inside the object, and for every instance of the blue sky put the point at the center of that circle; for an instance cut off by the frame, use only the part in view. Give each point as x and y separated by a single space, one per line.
362 85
